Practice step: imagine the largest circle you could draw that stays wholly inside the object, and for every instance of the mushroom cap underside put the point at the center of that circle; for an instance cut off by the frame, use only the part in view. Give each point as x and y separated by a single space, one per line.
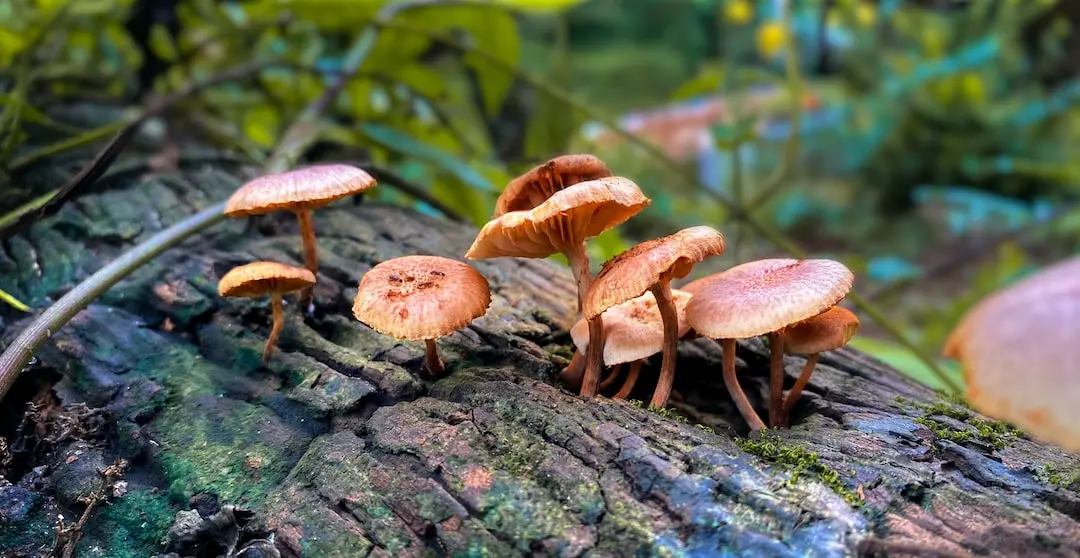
634 329
541 182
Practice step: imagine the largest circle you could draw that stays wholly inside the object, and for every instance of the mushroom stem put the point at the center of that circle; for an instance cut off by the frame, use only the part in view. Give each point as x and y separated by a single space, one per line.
578 258
662 292
631 379
594 357
613 375
571 375
311 252
776 377
796 390
279 324
432 362
733 387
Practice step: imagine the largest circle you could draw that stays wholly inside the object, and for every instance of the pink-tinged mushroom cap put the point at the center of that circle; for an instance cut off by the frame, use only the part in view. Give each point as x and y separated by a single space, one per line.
301 189
636 270
764 296
634 329
827 331
1020 351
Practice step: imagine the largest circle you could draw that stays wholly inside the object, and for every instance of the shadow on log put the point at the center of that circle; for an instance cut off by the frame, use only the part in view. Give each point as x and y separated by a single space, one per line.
341 448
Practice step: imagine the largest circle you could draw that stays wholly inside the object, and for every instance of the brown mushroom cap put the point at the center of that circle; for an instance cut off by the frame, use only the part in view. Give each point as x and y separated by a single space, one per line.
532 188
566 219
764 296
421 297
1019 351
259 279
306 188
636 270
827 331
634 329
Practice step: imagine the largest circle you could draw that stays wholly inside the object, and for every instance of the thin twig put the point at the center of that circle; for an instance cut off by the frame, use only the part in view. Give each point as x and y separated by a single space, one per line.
383 174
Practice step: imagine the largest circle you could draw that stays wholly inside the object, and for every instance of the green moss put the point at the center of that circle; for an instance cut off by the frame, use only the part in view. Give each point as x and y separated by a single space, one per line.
1057 476
668 413
705 428
133 525
994 433
771 449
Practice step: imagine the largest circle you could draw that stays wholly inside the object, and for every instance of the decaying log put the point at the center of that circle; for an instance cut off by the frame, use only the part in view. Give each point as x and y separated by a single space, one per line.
341 447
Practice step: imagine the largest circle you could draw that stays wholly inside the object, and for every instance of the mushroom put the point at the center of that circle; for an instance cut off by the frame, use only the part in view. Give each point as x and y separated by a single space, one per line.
763 297
259 279
1020 355
827 331
532 188
421 298
300 191
561 224
633 331
650 266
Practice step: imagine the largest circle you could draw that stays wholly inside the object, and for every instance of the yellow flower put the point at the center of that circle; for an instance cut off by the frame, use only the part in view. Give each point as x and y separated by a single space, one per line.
972 88
865 14
738 12
771 38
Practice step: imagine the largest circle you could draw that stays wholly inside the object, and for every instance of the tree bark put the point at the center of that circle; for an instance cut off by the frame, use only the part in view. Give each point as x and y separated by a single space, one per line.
342 448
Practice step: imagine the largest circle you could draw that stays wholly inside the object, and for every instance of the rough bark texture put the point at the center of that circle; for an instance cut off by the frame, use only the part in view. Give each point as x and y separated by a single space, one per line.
341 447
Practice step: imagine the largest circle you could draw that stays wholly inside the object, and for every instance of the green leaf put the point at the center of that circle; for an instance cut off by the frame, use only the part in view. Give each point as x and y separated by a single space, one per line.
708 81
538 6
162 45
607 246
551 127
907 363
405 144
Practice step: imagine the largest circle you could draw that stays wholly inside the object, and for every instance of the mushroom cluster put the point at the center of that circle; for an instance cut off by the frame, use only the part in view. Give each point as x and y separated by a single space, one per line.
627 313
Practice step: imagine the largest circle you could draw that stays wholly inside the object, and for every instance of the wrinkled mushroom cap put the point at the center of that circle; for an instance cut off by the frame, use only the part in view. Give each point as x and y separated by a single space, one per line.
259 279
1021 357
306 188
636 270
532 188
421 297
634 329
567 218
827 331
764 296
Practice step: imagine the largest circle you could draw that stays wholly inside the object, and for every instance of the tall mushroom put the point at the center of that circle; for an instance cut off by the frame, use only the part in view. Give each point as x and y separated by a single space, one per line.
633 331
827 331
540 183
561 224
300 191
421 298
1020 355
650 266
758 298
259 279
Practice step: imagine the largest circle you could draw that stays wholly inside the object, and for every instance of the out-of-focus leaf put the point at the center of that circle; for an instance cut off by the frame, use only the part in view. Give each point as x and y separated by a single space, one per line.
161 44
903 360
12 43
607 246
550 127
707 82
328 15
540 6
495 33
261 125
406 144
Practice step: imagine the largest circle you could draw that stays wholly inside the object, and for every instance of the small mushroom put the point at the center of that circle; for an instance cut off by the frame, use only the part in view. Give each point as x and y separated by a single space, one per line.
827 331
1020 354
259 279
561 224
540 183
421 298
633 331
650 266
300 191
758 298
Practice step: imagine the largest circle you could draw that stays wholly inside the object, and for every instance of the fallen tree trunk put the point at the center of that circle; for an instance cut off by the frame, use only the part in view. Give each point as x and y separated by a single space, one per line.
341 448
